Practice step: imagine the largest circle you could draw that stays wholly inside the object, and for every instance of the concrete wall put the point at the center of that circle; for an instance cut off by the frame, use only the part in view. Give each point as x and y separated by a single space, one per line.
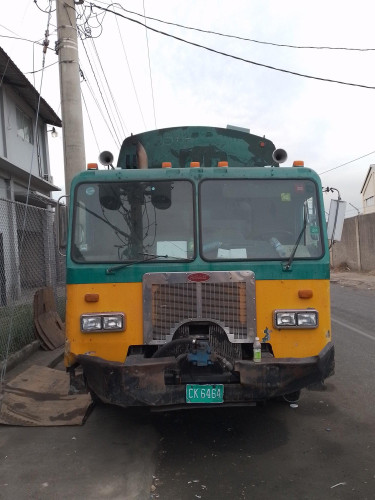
357 246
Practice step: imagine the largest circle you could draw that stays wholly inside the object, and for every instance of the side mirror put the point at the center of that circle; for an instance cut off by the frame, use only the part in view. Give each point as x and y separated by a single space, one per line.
109 196
62 225
161 195
336 218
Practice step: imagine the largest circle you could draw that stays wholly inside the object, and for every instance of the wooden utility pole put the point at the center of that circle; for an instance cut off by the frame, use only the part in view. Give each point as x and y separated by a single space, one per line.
70 90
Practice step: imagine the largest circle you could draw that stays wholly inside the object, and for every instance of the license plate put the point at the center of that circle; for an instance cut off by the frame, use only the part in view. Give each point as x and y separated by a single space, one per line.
204 393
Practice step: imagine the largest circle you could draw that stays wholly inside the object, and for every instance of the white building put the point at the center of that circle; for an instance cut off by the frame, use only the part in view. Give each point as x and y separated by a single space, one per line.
23 150
24 177
368 191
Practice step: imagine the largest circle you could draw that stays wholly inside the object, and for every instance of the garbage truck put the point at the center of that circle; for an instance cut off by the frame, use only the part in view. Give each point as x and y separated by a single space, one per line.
197 273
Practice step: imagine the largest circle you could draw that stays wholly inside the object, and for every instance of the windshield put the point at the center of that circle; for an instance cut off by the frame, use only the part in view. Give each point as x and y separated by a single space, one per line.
259 219
131 221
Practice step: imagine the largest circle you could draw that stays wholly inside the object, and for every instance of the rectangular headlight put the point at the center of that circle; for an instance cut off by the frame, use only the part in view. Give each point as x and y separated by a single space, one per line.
103 322
91 323
285 318
113 322
295 318
307 319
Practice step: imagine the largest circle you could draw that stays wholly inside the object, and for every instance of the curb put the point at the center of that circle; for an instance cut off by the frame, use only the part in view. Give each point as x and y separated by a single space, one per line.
33 354
20 356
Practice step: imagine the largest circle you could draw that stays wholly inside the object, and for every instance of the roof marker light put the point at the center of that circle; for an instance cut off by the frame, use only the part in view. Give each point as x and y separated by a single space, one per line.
195 164
222 163
92 166
298 163
166 164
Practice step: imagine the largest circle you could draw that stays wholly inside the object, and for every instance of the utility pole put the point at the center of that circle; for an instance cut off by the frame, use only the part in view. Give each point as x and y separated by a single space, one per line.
70 90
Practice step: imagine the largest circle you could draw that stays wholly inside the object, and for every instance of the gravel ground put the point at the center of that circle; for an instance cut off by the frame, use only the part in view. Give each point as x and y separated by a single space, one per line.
364 281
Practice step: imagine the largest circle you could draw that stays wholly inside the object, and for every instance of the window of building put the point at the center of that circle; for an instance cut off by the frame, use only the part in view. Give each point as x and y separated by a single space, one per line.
24 126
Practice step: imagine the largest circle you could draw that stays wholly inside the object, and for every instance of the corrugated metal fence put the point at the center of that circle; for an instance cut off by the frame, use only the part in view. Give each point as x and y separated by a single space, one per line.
29 260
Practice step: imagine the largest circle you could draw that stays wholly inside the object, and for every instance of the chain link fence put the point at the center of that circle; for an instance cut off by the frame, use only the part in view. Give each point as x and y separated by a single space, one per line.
29 260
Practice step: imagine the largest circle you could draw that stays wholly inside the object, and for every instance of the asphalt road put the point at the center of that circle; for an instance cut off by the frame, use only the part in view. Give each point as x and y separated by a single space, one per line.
324 449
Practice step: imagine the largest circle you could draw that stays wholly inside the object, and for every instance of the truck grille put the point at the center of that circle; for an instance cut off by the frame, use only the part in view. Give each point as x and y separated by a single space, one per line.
226 298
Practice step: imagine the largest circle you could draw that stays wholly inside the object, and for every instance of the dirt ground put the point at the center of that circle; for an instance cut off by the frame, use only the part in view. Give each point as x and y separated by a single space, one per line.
364 281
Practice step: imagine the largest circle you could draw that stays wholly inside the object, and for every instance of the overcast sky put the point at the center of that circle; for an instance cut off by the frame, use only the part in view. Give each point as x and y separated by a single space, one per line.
325 124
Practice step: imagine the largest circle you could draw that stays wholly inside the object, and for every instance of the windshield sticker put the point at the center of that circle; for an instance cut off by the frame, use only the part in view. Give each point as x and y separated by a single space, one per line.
285 197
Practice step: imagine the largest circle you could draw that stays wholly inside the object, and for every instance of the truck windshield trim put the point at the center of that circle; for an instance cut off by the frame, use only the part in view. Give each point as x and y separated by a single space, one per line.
125 222
260 219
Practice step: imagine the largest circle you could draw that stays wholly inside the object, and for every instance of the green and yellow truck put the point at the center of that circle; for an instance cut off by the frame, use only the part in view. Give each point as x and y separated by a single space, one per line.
177 259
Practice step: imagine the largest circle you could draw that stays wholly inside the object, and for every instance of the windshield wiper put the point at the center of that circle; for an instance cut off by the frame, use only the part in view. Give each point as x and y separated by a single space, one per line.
287 266
111 270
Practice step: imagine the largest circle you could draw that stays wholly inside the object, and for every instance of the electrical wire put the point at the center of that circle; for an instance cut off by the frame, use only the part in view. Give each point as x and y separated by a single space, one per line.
248 61
41 69
89 118
83 34
236 36
99 107
130 72
86 26
347 163
46 11
116 139
122 125
84 22
149 65
20 38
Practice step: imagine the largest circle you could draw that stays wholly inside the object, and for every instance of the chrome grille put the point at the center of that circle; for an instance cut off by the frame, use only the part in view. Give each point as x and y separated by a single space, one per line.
227 298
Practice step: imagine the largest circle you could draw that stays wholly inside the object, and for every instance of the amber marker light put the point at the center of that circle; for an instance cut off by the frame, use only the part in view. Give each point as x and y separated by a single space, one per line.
298 163
92 166
92 297
195 164
166 164
222 163
305 294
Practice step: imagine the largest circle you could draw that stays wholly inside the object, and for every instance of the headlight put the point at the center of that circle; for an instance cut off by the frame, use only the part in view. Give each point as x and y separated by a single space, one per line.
286 319
103 322
114 322
91 323
306 318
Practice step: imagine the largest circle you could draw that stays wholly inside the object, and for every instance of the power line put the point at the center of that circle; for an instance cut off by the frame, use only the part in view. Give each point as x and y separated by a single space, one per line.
100 91
102 97
41 69
122 125
130 73
89 118
239 37
149 65
99 107
24 40
248 61
347 163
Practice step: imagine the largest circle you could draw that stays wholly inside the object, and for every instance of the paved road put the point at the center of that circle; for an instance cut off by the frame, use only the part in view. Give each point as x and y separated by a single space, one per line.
324 449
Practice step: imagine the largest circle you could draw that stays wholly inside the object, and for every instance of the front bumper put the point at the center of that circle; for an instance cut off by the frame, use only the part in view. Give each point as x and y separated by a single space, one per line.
141 381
